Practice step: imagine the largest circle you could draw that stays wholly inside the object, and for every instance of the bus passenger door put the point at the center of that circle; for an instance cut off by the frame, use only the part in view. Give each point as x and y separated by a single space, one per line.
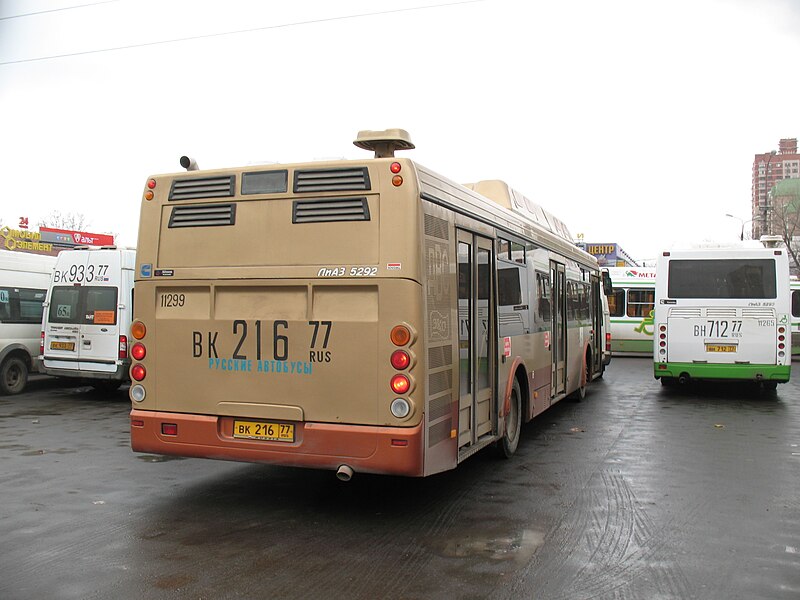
476 338
598 333
558 345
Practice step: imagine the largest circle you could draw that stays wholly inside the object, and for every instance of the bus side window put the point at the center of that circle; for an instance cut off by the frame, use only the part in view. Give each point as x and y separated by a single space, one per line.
796 303
30 305
512 294
543 300
508 286
5 305
518 253
616 303
640 302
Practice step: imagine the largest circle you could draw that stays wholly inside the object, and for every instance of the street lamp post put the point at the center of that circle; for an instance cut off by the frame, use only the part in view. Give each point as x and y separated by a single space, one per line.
741 235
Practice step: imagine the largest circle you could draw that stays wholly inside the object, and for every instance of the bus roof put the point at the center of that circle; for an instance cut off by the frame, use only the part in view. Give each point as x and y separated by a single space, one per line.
507 197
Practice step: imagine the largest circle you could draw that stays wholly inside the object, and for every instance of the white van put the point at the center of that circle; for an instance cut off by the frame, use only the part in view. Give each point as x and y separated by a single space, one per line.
24 279
87 316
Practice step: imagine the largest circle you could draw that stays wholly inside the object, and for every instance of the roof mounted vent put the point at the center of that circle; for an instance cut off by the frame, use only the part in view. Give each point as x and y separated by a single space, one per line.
384 143
771 241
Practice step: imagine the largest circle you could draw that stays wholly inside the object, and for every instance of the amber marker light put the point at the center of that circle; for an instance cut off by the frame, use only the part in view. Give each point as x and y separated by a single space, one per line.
397 181
148 195
400 335
138 330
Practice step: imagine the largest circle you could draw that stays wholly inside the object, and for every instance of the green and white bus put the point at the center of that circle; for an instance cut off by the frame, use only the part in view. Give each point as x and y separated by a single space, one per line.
723 314
794 285
631 306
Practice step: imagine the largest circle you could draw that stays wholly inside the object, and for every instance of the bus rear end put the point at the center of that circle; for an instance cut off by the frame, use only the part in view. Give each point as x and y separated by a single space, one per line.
277 317
723 314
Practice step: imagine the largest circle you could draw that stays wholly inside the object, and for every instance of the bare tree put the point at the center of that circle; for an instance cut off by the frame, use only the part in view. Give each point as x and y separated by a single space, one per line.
785 222
58 220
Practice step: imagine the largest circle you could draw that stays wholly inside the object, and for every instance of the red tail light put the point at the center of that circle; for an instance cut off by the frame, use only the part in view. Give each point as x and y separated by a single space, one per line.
400 384
123 346
41 345
138 351
400 359
608 342
138 372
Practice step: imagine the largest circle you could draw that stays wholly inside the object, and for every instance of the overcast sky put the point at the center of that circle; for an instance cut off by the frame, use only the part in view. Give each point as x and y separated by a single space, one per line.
634 121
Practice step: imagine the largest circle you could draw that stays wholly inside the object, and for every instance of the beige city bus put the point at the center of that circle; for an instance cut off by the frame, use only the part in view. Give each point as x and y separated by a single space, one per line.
360 316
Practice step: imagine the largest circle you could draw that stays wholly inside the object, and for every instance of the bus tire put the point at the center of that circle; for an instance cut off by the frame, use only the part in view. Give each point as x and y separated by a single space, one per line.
507 445
580 393
13 375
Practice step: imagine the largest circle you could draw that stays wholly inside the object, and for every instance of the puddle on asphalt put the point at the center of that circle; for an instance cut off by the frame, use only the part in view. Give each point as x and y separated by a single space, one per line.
155 458
42 451
519 547
34 452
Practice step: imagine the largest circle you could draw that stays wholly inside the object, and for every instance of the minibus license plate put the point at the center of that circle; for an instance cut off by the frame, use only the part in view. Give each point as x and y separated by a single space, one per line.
720 348
257 430
62 345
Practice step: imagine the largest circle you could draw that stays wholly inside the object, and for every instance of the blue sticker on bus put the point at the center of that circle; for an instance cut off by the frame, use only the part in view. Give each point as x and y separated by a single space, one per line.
146 270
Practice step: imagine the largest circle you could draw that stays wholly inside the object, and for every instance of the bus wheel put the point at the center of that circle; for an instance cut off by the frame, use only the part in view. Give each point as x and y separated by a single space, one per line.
513 422
13 376
580 393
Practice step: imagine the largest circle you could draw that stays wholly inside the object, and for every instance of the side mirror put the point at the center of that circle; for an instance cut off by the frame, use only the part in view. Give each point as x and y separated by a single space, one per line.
608 287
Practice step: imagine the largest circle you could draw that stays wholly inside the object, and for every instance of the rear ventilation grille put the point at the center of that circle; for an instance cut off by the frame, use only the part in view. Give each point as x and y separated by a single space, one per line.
205 187
684 313
758 313
436 227
205 215
333 209
331 180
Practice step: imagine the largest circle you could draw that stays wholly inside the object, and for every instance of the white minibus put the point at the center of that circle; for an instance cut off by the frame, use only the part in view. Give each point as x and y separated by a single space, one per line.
24 279
87 316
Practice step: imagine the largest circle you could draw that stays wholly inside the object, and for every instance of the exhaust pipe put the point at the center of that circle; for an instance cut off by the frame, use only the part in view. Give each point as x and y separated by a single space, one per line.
344 473
189 163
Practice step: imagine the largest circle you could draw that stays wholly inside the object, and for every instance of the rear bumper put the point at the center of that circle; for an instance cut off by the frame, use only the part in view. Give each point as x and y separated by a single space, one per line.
119 374
778 373
366 449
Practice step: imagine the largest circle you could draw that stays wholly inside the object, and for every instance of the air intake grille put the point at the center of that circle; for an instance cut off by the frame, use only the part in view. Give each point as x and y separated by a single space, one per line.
205 187
758 313
331 180
206 215
333 209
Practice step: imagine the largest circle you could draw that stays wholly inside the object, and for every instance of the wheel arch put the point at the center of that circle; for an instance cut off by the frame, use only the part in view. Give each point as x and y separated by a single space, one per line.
17 351
518 372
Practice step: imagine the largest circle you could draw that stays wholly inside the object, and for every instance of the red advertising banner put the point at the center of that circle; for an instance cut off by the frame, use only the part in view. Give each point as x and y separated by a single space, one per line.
65 237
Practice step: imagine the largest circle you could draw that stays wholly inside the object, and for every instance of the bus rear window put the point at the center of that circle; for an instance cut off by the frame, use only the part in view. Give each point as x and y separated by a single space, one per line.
716 278
86 305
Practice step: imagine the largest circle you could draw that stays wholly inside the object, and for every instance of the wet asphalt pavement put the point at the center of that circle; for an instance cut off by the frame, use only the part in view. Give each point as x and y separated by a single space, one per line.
637 492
